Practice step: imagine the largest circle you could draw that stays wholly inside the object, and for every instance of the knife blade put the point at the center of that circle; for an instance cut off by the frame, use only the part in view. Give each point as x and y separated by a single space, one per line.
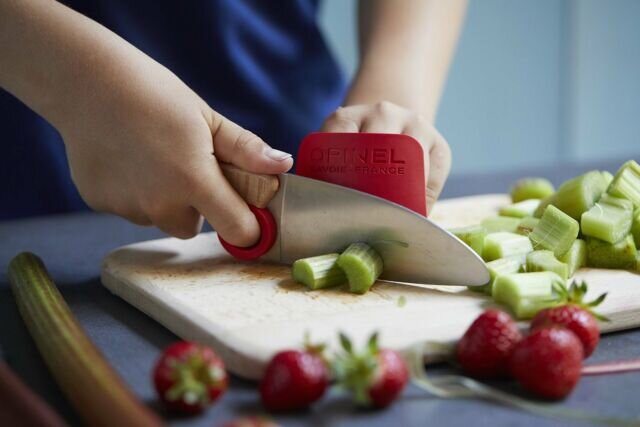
315 217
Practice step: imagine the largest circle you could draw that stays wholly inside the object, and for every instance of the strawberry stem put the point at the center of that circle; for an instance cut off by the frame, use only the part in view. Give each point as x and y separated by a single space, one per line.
192 379
575 295
355 371
345 342
372 344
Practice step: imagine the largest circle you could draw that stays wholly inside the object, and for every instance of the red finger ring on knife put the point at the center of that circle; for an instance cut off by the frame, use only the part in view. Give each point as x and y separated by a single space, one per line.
268 234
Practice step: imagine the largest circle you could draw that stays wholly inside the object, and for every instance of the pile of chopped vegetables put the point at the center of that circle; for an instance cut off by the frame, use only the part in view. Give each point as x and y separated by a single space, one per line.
535 244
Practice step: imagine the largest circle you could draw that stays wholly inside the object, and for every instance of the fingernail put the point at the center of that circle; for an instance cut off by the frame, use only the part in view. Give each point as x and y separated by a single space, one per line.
278 155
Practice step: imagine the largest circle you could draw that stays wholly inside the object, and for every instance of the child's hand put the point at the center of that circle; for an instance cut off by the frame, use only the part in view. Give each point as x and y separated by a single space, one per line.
149 151
385 117
147 148
140 143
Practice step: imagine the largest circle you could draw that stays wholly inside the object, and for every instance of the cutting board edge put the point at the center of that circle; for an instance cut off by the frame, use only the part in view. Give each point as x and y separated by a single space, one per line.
188 327
622 321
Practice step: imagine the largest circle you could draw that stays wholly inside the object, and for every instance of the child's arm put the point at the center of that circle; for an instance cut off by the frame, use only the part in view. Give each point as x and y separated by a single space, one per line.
139 141
405 50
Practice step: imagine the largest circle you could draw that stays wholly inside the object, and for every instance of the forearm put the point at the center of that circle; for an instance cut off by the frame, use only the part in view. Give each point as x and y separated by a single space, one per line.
53 59
405 51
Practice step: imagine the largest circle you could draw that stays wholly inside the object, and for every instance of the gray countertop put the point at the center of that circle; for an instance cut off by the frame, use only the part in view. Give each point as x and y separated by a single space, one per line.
72 247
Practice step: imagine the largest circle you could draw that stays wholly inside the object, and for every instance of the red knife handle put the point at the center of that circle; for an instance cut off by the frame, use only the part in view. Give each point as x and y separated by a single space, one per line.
257 190
268 234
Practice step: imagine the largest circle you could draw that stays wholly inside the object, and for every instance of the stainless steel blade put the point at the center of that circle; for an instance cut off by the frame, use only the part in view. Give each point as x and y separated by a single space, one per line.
315 217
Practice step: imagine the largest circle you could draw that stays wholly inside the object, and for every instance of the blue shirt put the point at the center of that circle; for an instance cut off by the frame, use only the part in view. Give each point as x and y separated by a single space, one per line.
263 64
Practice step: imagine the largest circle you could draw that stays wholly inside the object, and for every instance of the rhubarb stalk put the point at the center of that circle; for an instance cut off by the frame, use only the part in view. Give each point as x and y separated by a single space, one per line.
95 390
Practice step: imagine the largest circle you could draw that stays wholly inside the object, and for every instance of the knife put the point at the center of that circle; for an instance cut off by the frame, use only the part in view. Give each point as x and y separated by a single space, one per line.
301 217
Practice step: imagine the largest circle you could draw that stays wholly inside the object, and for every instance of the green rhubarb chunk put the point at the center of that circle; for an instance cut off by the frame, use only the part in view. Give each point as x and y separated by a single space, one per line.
503 244
524 293
542 206
527 224
495 224
362 265
472 235
531 188
556 231
638 261
619 202
609 219
620 255
607 176
577 195
497 268
510 288
528 308
626 183
635 227
544 260
319 271
576 256
520 209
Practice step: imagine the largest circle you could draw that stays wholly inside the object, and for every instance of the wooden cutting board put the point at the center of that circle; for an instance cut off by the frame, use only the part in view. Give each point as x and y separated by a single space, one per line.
248 310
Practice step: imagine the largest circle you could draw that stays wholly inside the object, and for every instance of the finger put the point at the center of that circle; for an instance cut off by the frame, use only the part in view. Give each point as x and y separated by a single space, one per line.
439 168
180 222
236 145
384 118
223 208
345 119
340 125
437 157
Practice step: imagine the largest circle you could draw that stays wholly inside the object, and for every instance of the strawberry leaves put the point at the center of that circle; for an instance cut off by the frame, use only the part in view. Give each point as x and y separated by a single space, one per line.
374 376
575 295
188 377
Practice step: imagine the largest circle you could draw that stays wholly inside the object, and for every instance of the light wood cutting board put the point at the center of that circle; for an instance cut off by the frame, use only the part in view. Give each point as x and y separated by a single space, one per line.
247 310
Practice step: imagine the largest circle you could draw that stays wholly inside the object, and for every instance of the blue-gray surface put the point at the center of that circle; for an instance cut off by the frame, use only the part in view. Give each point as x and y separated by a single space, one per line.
72 247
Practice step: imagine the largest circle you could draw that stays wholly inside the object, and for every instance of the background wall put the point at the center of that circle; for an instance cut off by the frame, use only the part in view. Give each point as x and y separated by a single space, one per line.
533 83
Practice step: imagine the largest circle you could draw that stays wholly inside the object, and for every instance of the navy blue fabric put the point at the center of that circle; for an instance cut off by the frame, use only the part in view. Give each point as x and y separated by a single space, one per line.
263 64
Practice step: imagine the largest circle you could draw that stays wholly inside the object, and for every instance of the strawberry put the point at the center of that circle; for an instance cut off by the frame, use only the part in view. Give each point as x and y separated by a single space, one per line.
548 362
294 379
375 377
188 377
485 347
574 315
577 320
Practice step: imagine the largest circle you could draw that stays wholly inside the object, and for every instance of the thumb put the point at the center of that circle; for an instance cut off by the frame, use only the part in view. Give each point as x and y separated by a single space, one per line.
236 145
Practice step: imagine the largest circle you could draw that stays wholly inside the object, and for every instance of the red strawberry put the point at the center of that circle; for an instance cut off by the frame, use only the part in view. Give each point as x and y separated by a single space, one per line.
391 377
575 316
577 320
548 362
484 350
376 377
188 377
294 379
